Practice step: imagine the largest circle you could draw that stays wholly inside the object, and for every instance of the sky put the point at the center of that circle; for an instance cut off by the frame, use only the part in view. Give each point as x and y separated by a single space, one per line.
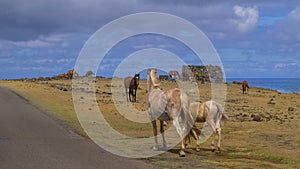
41 38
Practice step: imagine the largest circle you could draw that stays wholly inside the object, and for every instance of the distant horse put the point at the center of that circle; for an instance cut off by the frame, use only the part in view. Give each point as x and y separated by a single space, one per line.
71 73
173 73
167 105
131 84
89 73
62 76
195 75
245 86
210 112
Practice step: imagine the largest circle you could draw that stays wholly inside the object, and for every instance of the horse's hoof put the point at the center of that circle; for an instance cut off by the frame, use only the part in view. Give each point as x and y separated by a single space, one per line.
155 148
181 153
197 149
219 151
213 150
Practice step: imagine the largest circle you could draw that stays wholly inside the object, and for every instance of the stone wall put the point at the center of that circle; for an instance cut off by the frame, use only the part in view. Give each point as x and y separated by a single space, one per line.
202 73
163 77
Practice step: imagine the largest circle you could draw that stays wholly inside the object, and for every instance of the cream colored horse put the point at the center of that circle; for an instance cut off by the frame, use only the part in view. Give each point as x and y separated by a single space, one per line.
210 112
167 105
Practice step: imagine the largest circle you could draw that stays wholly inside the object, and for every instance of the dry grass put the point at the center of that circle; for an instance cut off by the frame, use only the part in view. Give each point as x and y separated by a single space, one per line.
272 142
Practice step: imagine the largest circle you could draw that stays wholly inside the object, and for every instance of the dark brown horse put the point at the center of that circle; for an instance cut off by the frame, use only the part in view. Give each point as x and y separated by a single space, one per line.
131 84
245 86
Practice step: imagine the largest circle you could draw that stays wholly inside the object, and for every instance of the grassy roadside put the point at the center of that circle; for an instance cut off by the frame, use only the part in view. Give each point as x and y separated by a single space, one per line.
55 102
269 143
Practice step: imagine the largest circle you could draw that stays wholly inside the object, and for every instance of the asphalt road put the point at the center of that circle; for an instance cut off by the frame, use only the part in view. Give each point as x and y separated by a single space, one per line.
29 139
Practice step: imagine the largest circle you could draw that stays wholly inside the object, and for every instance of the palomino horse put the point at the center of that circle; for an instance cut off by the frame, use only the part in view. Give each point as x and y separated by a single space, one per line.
167 105
245 86
173 73
210 112
131 84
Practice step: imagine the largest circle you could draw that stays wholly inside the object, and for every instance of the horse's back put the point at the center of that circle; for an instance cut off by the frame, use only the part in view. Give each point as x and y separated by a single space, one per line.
157 103
127 81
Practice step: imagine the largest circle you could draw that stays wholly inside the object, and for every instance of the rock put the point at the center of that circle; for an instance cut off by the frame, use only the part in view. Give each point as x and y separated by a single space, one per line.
232 100
257 118
271 101
291 109
236 82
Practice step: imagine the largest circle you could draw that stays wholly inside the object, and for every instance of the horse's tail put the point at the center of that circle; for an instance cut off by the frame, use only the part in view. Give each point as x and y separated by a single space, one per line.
187 118
220 114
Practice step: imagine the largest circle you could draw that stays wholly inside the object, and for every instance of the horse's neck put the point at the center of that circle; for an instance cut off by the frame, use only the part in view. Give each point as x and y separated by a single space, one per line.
135 82
150 84
150 87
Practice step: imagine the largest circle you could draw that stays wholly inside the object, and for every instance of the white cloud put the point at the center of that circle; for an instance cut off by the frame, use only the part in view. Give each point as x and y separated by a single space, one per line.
32 44
43 41
295 14
246 18
287 65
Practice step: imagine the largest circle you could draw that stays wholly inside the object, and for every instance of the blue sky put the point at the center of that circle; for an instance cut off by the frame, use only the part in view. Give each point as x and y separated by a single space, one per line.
253 38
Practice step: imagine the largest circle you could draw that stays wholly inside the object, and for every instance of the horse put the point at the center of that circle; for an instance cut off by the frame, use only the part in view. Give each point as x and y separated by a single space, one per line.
131 84
173 73
210 112
245 86
165 106
195 75
62 76
89 73
71 73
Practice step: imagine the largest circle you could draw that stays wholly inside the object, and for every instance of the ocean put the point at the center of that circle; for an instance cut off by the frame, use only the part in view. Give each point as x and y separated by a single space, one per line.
285 85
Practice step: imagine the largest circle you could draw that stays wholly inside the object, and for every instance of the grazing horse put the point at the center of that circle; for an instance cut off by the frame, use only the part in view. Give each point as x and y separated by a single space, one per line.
173 73
71 73
210 112
131 84
167 105
245 86
62 76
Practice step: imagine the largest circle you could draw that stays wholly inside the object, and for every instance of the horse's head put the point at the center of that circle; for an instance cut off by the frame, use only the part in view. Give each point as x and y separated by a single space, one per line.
154 78
137 79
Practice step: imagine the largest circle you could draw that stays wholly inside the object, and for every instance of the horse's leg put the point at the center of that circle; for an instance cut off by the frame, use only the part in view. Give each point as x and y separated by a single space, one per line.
219 139
213 143
162 133
130 93
134 95
126 93
180 132
155 135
